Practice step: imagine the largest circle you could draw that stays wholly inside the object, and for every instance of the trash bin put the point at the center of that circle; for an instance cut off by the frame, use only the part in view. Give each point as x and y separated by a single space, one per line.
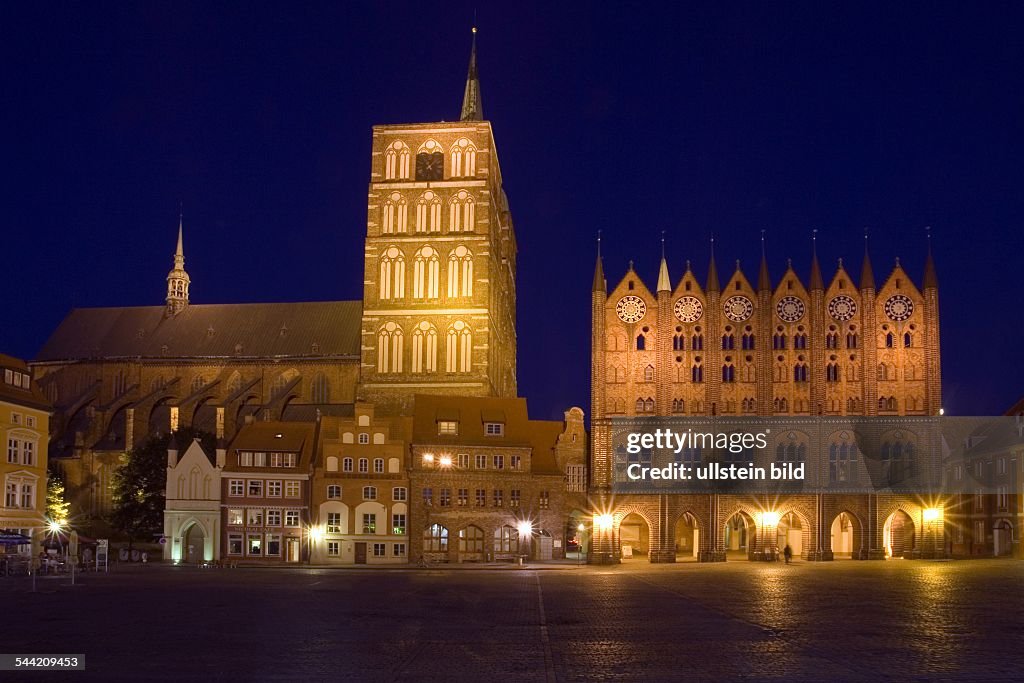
520 559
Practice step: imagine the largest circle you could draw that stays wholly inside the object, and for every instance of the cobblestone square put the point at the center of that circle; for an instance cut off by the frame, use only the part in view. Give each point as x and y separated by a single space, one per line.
897 620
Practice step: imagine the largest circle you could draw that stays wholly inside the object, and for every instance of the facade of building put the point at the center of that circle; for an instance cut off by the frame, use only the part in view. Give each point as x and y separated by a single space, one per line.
192 515
360 489
24 429
783 348
487 483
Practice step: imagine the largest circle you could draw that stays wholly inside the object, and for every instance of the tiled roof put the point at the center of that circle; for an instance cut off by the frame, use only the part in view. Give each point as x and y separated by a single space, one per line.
31 397
315 328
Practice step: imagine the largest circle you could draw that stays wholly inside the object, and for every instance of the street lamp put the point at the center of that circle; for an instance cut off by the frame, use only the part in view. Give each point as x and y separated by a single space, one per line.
579 543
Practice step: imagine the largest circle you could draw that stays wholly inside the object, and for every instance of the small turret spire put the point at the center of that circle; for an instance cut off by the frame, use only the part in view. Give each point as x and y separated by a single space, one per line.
931 280
472 105
599 282
816 281
764 282
867 274
664 284
713 285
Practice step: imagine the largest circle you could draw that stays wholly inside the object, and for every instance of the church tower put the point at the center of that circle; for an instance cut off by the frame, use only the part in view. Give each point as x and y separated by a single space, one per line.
177 280
439 297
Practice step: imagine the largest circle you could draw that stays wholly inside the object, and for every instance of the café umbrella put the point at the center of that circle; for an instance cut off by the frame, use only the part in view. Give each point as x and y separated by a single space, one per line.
13 538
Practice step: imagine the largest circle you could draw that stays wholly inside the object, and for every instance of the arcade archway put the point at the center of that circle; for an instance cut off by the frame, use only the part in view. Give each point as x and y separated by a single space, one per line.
898 535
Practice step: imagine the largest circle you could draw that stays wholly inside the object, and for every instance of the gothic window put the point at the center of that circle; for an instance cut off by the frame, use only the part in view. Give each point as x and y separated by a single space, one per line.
749 405
460 273
890 341
906 340
851 373
428 212
639 405
748 342
832 372
678 405
728 373
424 348
641 342
842 457
697 342
649 373
800 341
779 342
851 340
832 341
425 274
198 383
320 391
697 373
677 342
781 405
780 372
728 343
459 348
649 405
800 372
389 348
396 214
234 383
392 274
461 213
463 158
396 161
748 372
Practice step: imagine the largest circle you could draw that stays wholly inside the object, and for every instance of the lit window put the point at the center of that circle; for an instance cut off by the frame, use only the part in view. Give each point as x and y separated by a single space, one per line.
255 517
513 498
515 462
291 489
369 523
235 516
236 487
255 544
274 488
273 518
447 427
291 518
255 488
234 544
334 522
545 500
398 524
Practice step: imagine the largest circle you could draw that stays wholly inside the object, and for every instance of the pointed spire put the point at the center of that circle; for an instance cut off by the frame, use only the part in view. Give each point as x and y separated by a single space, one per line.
713 285
472 106
664 284
867 275
931 280
179 253
178 280
764 282
816 281
599 282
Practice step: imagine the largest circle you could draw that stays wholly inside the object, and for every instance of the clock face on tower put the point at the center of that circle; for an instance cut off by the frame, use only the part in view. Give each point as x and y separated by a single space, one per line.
688 309
631 309
738 308
899 307
430 166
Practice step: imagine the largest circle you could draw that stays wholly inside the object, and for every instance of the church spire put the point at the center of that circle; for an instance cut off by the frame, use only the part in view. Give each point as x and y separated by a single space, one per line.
178 280
931 280
472 106
764 282
664 284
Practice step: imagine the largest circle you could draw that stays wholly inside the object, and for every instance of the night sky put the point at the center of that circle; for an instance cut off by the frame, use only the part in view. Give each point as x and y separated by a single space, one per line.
730 120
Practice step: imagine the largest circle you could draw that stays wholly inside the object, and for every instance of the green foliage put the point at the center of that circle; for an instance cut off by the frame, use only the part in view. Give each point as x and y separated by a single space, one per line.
139 484
57 506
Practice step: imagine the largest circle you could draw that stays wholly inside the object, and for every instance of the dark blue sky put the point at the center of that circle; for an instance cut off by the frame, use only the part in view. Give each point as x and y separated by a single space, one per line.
630 119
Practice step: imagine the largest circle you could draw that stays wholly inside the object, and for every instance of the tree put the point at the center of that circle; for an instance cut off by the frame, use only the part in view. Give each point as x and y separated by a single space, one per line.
139 484
56 504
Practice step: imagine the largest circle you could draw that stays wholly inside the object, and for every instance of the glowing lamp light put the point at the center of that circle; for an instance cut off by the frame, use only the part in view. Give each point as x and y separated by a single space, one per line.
316 533
604 521
525 528
428 457
932 514
445 461
580 527
770 518
55 526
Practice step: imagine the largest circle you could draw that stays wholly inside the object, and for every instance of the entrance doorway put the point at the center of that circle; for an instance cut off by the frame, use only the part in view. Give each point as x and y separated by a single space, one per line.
1002 538
844 532
292 551
740 537
194 544
634 537
898 535
791 533
687 538
360 553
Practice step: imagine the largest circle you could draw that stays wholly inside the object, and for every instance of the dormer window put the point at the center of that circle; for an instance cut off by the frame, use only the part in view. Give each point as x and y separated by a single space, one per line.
494 428
447 428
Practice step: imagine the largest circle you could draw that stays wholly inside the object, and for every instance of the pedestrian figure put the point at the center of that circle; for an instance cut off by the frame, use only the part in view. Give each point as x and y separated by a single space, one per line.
787 552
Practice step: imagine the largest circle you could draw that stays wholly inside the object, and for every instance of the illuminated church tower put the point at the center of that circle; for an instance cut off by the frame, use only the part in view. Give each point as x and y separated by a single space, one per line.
439 297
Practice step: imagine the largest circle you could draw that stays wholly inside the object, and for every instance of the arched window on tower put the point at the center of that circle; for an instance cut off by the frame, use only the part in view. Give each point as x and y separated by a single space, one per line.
678 405
832 341
649 373
728 372
424 348
392 274
800 372
800 341
890 340
779 341
851 340
906 339
395 216
748 342
463 158
461 212
641 342
677 342
832 372
697 373
425 274
396 161
728 343
460 273
389 348
459 348
697 342
428 212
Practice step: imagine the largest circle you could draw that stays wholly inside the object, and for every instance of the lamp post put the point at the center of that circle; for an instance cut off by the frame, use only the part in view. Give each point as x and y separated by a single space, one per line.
579 543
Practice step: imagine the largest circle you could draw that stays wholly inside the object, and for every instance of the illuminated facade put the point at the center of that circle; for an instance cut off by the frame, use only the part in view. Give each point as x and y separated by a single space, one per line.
779 348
